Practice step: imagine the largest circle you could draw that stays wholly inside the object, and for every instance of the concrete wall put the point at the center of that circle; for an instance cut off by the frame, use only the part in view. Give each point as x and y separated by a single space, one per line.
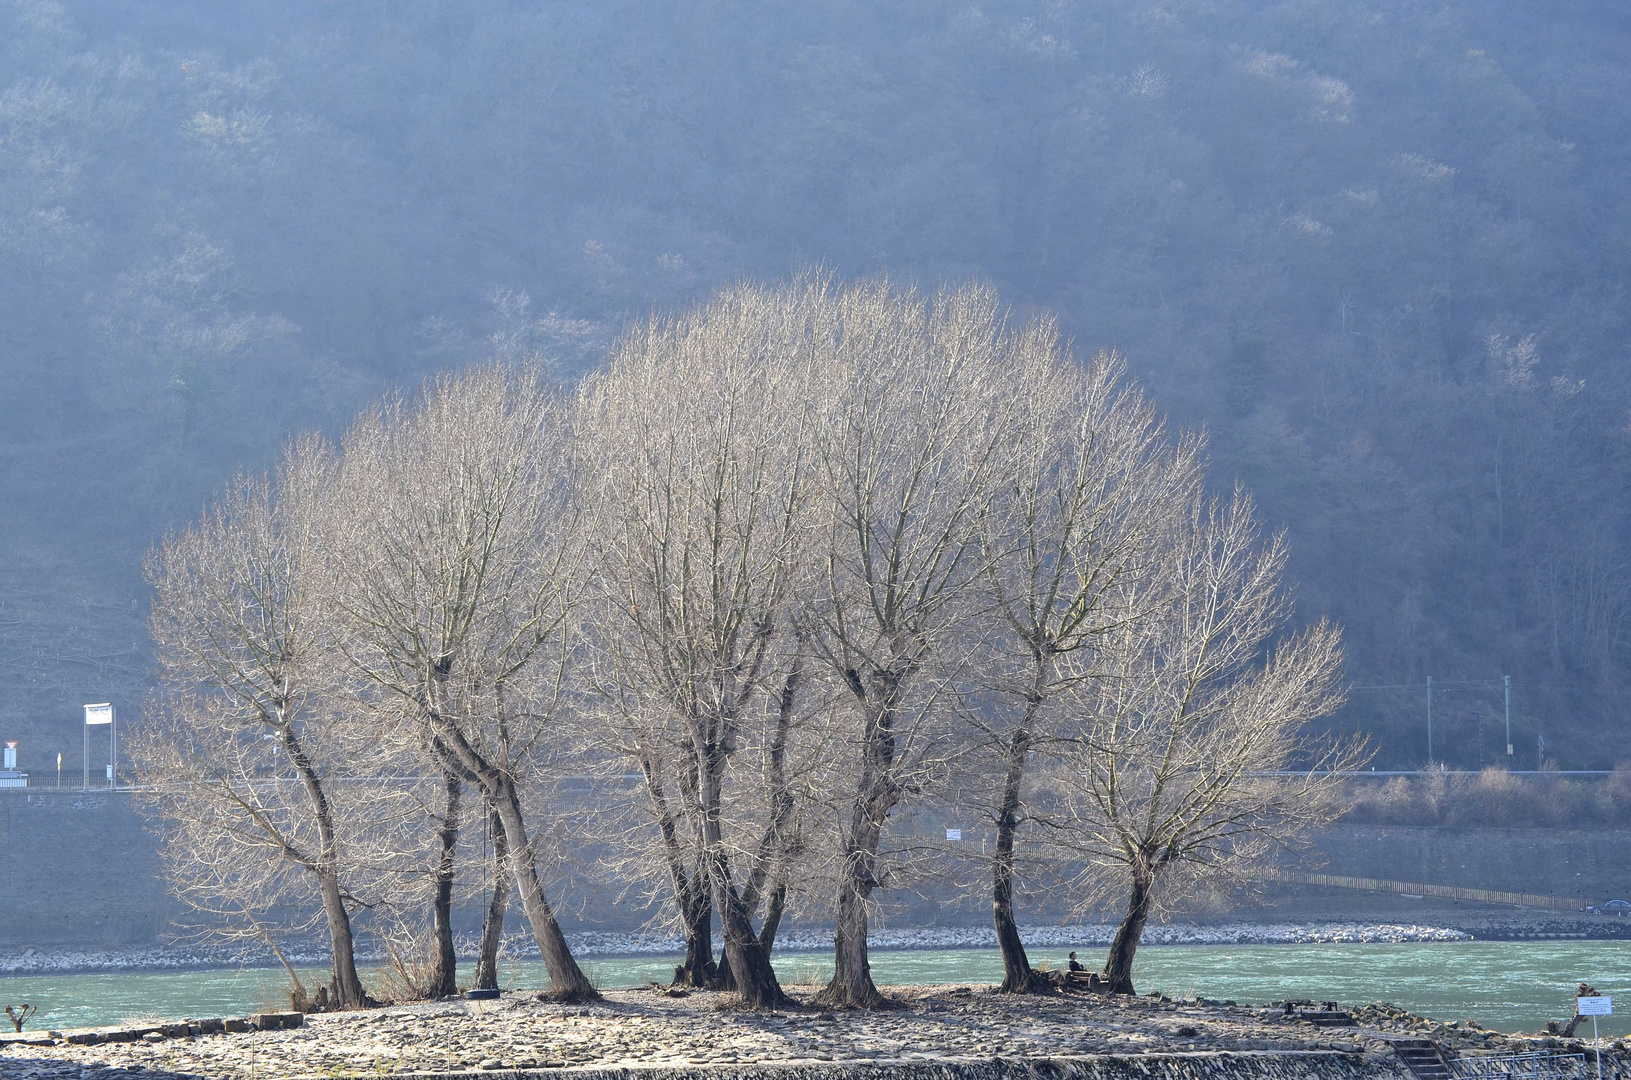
77 869
1592 865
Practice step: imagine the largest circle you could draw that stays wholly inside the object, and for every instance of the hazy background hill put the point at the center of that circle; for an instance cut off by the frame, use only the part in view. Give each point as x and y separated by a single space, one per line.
1379 249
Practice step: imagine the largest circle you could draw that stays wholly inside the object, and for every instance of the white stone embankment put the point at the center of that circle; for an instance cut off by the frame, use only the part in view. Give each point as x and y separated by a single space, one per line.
816 939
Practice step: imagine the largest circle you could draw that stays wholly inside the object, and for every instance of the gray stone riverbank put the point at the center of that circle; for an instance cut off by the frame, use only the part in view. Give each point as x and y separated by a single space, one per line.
933 1033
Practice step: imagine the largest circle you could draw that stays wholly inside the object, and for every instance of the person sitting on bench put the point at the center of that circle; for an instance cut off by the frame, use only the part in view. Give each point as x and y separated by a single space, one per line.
1075 965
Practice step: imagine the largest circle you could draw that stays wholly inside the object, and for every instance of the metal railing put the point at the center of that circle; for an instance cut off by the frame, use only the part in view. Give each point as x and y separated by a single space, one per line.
40 783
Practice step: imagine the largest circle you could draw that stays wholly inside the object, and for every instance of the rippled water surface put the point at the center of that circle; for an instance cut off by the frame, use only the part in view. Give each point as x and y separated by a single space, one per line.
1513 986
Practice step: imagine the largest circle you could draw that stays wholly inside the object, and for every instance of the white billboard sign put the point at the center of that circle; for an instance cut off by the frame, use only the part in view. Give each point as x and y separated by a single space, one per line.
99 714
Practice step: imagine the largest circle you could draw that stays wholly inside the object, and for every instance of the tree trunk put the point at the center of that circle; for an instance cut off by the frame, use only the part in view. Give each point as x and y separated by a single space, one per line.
748 961
346 987
749 965
691 896
776 845
567 982
697 917
1017 976
852 984
876 793
852 972
1118 966
492 927
443 979
297 991
774 906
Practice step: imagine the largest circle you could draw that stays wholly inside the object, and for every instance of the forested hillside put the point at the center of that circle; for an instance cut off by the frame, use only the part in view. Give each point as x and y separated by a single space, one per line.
1379 250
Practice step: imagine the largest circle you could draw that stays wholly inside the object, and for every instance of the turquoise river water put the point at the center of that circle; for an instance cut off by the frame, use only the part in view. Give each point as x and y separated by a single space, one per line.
1511 986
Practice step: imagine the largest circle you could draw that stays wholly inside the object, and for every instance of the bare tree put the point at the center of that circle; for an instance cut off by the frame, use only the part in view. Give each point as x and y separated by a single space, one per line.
425 875
1090 488
698 466
238 641
412 879
655 852
1192 759
457 573
907 464
443 978
492 923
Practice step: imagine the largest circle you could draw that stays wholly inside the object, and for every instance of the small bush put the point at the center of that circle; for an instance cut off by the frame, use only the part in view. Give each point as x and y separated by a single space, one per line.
1618 790
1494 798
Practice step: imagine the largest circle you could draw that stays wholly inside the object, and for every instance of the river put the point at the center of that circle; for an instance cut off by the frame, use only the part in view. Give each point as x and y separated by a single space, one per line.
1509 986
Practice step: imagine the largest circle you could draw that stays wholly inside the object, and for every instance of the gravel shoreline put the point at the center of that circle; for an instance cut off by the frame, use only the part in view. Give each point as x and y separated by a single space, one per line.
705 1032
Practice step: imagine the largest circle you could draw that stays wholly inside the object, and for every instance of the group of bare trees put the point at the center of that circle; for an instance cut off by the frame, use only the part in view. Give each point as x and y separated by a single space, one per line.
350 646
790 567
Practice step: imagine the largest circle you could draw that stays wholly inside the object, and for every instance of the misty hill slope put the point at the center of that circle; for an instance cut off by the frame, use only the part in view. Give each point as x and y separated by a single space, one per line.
1380 250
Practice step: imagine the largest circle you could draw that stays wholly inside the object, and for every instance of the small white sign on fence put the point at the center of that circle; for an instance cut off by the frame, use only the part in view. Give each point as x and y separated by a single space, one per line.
1594 1006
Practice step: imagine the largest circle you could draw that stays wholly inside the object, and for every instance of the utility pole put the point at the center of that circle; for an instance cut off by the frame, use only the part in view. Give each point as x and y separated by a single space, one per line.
1429 720
1506 682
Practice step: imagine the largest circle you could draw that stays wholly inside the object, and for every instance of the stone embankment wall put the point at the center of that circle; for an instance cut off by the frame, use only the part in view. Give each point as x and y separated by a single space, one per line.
1314 1065
80 870
1294 1065
1592 865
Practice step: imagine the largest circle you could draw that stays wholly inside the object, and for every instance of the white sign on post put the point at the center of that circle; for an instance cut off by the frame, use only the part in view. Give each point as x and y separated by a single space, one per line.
1595 1007
954 834
97 714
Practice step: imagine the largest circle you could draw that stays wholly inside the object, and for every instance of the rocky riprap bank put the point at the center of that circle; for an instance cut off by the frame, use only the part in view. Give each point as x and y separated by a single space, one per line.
936 1033
33 961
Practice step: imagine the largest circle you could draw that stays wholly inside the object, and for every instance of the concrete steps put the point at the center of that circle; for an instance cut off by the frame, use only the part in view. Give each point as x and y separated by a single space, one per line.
1423 1058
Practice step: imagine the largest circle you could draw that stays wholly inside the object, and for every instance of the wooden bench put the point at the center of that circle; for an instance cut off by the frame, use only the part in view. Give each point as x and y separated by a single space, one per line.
1090 981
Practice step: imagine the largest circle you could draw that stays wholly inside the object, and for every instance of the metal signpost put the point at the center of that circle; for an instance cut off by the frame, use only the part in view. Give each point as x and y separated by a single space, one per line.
101 714
1429 720
1595 1007
1506 685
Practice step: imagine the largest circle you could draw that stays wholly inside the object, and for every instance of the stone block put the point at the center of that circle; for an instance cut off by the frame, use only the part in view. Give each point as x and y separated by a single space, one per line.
276 1021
